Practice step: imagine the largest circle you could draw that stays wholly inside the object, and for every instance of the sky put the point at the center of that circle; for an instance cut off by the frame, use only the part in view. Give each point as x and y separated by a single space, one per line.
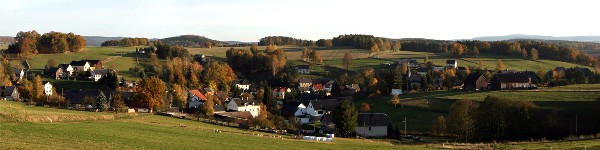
250 20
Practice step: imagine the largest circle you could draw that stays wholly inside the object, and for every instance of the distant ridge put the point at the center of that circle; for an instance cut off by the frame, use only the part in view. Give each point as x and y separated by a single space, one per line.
97 40
539 37
191 41
7 40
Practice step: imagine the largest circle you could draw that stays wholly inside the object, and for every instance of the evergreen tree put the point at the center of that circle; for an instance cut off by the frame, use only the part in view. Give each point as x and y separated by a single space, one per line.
345 117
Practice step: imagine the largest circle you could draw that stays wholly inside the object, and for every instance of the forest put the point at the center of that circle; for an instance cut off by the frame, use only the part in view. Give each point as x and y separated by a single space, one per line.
31 42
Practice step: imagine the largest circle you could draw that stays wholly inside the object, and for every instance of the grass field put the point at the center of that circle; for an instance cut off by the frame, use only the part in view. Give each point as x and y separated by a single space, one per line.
3 46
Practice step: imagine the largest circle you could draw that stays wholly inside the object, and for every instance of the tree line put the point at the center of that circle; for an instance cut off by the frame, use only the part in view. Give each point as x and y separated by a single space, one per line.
502 119
30 43
282 40
127 42
192 41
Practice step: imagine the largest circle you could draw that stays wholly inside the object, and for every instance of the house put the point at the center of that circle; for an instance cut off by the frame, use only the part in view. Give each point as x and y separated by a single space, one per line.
9 93
304 85
295 110
353 88
208 91
535 79
67 70
280 92
451 63
56 73
317 87
319 108
412 63
80 66
506 71
241 104
475 82
195 98
99 74
438 68
303 69
511 81
396 91
372 125
48 88
422 71
242 84
328 87
414 79
75 97
218 109
19 73
95 64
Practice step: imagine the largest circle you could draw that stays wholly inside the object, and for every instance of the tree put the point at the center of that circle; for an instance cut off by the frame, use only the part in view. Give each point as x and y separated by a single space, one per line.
119 103
254 49
207 108
395 100
500 65
88 101
426 58
533 55
438 126
315 57
345 117
396 46
457 49
375 49
462 117
474 51
324 43
101 102
347 60
52 63
151 92
365 107
179 96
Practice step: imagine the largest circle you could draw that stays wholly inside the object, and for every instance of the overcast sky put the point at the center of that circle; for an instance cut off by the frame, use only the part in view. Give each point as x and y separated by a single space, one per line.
250 20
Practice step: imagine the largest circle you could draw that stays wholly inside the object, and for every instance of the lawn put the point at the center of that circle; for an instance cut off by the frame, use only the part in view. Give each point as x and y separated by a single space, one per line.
529 95
143 132
3 46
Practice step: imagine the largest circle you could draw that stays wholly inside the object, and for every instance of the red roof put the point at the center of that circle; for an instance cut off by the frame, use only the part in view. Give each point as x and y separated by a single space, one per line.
318 86
198 94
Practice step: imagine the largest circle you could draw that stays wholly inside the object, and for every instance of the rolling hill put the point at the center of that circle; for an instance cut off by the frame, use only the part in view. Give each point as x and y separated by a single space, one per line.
97 40
539 37
191 41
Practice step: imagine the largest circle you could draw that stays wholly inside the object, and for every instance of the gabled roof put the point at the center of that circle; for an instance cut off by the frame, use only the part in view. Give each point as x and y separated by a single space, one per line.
7 90
303 66
472 78
289 109
78 63
318 86
93 61
64 66
329 105
198 94
101 71
373 119
18 71
305 80
76 97
53 70
512 77
241 81
241 102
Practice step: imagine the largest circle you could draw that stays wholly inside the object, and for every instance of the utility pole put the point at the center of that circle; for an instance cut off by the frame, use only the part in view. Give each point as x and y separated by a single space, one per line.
404 126
576 119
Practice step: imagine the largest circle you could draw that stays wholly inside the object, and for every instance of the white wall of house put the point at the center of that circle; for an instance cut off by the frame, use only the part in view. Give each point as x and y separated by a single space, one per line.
253 109
371 131
314 112
48 88
244 87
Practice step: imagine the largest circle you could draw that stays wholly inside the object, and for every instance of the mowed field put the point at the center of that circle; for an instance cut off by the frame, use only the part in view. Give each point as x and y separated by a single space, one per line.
141 132
333 57
3 46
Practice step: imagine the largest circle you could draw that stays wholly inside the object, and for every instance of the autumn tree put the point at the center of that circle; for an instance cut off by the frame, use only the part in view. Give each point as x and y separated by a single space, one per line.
53 43
151 92
395 100
462 118
179 96
315 57
374 49
533 54
500 65
271 48
426 58
396 46
277 59
52 63
207 108
365 107
5 72
438 126
345 117
457 49
324 43
347 60
118 103
220 73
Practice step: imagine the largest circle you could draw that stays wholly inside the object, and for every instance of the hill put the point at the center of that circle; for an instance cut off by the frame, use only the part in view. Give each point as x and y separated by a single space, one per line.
97 40
539 37
6 40
192 41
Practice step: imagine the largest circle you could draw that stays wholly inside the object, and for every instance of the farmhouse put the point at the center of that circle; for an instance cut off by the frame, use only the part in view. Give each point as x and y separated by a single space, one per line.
48 88
9 92
309 111
511 81
80 66
280 92
67 69
56 73
99 74
452 63
295 110
195 98
303 69
475 82
241 104
242 84
95 64
19 74
372 125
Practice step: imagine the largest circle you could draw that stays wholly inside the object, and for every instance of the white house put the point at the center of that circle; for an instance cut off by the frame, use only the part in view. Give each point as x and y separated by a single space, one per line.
242 84
280 92
307 113
9 92
396 91
80 66
451 63
303 69
48 88
98 74
237 104
372 125
296 110
319 108
67 69
19 73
